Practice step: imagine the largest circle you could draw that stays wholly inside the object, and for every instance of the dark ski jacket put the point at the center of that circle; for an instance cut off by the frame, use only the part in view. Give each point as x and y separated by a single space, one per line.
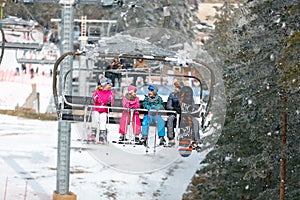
173 102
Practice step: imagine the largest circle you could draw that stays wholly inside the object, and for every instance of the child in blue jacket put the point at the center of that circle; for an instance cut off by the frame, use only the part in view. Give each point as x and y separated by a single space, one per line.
153 102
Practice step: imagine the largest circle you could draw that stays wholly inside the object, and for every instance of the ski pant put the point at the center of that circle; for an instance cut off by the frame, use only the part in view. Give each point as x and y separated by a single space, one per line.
171 126
99 120
125 121
160 125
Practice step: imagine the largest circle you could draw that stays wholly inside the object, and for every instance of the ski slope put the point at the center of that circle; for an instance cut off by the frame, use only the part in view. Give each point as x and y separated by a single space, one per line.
28 151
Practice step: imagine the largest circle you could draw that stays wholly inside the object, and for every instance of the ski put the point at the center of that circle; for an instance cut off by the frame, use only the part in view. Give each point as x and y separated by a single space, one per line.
145 143
127 142
169 145
156 131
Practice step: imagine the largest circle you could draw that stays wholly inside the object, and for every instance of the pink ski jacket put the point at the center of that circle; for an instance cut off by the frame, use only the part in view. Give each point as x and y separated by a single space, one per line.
127 103
102 98
130 102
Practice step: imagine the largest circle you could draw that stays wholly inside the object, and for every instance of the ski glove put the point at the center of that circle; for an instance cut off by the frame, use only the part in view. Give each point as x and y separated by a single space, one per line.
178 110
148 107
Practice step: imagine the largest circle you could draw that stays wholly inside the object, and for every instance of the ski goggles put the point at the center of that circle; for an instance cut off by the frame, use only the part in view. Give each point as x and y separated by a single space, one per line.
108 81
151 88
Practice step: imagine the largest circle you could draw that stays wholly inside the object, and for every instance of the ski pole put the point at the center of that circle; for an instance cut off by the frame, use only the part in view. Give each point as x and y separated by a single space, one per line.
5 190
134 127
177 127
126 125
106 128
130 125
156 130
148 131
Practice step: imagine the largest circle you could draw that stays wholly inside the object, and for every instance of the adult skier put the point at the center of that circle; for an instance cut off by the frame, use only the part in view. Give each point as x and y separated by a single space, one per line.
140 65
173 104
115 65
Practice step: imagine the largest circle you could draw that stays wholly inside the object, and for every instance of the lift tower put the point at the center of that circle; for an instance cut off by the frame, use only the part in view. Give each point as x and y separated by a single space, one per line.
64 127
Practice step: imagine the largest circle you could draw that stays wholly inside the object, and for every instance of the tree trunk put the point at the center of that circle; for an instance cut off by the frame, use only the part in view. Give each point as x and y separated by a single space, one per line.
167 14
283 149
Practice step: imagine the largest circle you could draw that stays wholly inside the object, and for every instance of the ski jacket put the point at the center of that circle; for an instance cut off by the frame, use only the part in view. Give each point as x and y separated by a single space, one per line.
115 65
130 101
103 98
173 102
154 102
140 64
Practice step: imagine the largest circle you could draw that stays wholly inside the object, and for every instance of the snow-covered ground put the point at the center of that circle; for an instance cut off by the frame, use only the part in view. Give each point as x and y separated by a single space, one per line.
15 88
28 152
15 93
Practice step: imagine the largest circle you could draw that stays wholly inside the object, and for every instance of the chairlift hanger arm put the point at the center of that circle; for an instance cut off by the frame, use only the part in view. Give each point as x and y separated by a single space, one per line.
2 45
212 82
55 68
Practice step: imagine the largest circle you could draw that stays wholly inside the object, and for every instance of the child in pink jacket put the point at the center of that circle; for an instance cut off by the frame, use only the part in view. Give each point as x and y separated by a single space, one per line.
132 102
102 96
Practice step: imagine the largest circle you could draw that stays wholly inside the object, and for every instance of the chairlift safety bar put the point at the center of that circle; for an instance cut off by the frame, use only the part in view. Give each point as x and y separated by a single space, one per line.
117 108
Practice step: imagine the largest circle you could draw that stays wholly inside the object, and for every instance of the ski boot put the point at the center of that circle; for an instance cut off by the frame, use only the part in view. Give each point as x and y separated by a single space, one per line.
143 140
136 139
162 140
122 138
102 137
171 143
91 138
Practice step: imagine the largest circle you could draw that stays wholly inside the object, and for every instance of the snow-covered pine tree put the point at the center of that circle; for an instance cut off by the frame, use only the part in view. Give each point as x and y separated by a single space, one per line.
246 161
